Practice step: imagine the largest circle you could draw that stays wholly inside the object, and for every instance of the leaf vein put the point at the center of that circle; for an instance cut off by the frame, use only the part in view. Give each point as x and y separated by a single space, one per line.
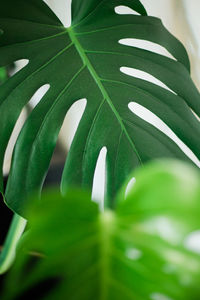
39 69
34 41
91 128
48 113
29 21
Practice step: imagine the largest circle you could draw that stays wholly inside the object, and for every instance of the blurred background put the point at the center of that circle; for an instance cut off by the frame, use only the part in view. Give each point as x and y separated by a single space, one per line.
181 18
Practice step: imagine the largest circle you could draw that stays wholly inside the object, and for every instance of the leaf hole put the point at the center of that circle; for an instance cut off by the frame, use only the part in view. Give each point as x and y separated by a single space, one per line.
13 138
154 120
99 180
62 9
38 95
144 76
18 66
192 242
35 99
125 10
71 123
146 45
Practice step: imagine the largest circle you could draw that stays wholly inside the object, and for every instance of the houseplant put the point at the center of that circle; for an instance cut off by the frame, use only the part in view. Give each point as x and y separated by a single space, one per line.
84 61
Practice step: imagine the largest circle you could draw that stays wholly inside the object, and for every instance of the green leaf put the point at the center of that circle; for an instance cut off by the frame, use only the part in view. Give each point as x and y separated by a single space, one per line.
3 75
139 251
84 61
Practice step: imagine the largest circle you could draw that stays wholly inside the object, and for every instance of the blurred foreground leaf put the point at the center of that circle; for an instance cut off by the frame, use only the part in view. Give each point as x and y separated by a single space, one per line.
142 250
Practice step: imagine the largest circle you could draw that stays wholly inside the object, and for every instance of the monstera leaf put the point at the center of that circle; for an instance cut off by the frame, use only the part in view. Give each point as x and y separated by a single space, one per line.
140 251
84 61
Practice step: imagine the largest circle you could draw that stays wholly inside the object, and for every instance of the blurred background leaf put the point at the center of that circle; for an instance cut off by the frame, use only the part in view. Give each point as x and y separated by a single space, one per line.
141 250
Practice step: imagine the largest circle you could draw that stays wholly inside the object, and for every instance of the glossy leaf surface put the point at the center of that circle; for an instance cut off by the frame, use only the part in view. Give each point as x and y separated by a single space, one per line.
139 251
84 61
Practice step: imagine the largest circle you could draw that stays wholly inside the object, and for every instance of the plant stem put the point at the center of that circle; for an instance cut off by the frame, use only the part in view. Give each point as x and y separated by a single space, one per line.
7 255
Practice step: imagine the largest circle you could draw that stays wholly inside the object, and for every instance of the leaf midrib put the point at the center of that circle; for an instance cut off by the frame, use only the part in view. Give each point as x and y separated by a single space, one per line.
97 79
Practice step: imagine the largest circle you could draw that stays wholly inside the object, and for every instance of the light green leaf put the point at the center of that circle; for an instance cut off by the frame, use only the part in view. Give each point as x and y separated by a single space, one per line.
139 251
84 61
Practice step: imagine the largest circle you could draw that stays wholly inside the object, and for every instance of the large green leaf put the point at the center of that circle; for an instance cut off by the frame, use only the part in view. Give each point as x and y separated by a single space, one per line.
140 251
84 61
